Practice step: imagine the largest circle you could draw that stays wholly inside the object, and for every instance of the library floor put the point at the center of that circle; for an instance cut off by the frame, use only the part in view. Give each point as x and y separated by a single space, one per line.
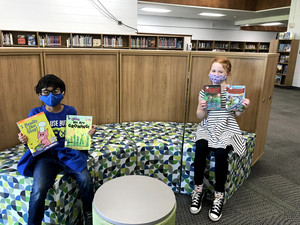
271 194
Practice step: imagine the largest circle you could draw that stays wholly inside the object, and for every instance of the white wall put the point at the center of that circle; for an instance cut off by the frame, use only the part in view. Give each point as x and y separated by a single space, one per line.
200 29
294 26
67 16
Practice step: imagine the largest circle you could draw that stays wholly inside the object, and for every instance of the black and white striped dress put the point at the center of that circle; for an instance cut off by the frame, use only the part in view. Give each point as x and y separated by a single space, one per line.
220 129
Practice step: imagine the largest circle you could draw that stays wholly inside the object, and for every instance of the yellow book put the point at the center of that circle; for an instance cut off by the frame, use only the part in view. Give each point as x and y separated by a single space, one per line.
39 132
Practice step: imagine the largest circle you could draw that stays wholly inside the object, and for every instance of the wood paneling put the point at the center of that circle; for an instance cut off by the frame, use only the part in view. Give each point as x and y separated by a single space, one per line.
229 4
19 73
91 79
153 86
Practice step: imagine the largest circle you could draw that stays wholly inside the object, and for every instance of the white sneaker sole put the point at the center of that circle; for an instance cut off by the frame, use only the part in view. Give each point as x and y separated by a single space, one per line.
214 219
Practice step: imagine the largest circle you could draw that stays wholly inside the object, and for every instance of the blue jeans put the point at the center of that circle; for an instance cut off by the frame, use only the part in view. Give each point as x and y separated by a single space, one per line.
46 167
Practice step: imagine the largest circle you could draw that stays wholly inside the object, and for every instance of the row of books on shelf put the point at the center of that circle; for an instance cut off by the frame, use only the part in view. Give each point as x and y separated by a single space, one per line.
204 45
116 41
170 43
284 47
22 39
281 68
41 136
284 58
143 42
85 41
285 35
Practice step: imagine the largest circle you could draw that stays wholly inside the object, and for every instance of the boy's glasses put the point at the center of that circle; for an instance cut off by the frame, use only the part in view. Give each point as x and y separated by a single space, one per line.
47 92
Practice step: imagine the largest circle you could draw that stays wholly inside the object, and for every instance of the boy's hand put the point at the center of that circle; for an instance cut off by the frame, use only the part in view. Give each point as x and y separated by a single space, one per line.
22 138
93 130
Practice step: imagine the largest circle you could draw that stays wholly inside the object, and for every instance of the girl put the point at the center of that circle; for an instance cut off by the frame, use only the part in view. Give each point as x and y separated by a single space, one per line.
218 132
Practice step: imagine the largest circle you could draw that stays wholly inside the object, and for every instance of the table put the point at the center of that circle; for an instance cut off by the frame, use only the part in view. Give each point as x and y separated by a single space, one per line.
134 199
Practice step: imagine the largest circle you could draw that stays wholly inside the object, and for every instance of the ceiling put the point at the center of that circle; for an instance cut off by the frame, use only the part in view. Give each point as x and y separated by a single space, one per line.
239 17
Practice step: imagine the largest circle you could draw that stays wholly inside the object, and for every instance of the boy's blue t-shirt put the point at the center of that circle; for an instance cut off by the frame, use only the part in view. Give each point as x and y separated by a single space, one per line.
76 160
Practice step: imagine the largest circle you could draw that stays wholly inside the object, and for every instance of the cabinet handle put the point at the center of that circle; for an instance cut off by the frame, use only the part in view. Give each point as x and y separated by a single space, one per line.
270 97
264 100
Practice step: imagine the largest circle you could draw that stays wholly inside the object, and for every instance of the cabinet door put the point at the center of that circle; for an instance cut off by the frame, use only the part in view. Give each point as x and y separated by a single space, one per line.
19 73
91 82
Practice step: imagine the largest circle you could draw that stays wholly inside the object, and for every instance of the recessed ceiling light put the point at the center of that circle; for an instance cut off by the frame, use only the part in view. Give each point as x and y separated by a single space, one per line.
212 14
271 24
156 10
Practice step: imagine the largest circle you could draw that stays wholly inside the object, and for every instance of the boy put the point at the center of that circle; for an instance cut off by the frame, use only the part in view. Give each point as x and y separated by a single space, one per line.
44 167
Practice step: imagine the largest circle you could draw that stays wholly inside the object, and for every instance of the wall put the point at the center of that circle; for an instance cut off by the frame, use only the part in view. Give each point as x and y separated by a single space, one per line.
67 16
294 26
200 29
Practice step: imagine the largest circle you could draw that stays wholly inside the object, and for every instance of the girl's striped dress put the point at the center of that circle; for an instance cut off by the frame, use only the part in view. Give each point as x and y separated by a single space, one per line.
220 129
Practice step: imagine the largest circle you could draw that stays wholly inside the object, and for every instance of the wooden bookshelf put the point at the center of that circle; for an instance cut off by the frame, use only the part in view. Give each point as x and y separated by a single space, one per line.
88 40
230 46
288 50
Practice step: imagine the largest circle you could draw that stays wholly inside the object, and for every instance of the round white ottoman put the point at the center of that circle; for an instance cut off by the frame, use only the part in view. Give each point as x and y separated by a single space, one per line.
134 200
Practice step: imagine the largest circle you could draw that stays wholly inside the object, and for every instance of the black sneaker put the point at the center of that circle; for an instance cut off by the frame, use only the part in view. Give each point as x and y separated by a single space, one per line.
215 213
196 202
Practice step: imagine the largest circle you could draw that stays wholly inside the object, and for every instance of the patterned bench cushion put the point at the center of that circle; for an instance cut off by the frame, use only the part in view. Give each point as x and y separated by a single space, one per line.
62 204
159 147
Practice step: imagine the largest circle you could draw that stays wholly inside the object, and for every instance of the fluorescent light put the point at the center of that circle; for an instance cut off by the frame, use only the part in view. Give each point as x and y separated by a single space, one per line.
271 24
156 10
212 14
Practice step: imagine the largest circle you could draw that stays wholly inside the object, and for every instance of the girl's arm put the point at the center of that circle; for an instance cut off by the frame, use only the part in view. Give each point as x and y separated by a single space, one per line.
246 103
201 112
92 131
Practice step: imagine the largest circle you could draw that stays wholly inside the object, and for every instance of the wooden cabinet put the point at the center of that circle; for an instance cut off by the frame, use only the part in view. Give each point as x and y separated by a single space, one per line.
131 85
230 46
288 51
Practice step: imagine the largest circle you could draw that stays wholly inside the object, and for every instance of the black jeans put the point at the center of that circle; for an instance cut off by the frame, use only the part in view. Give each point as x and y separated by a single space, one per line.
221 164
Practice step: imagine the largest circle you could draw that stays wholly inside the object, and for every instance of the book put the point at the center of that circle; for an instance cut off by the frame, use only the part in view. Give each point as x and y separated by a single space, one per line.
279 68
212 96
96 42
278 79
31 39
21 40
39 132
77 128
234 97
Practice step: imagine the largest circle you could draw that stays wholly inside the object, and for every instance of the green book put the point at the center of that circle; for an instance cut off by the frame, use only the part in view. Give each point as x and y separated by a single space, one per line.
77 128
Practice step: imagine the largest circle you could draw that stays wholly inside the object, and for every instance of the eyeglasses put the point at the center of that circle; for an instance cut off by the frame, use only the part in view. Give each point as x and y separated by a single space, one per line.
47 92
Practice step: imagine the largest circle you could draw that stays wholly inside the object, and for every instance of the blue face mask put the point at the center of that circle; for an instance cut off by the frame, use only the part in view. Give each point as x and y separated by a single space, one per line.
217 79
51 99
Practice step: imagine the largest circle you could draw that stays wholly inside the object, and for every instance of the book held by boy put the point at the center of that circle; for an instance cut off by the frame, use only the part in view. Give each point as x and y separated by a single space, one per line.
39 132
212 96
77 128
234 97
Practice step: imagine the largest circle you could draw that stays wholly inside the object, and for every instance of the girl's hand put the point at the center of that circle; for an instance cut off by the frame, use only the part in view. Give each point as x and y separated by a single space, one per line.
22 138
203 104
92 131
246 102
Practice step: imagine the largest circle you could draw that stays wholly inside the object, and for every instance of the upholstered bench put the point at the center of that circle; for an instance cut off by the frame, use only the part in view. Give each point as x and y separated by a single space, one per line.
114 153
62 204
159 147
238 167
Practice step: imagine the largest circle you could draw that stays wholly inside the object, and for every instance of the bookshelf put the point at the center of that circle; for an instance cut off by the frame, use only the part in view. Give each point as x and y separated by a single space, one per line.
87 40
230 46
288 50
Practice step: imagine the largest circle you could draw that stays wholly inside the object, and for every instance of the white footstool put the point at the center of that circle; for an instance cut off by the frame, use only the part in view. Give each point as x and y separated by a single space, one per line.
133 200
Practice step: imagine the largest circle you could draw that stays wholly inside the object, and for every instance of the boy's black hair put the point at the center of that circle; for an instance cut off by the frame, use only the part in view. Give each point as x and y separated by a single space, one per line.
50 80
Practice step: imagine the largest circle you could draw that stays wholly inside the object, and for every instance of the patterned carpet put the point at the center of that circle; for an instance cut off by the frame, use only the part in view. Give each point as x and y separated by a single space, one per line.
271 194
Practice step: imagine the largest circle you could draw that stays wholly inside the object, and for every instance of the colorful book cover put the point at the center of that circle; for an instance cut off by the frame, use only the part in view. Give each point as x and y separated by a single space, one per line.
77 128
31 39
212 96
21 40
234 97
39 132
